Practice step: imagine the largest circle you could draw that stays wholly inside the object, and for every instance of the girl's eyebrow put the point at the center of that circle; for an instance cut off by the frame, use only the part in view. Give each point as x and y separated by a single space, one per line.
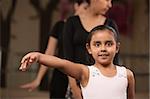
100 41
109 41
97 41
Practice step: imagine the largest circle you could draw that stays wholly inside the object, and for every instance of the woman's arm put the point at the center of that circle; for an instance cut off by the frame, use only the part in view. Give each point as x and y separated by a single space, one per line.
52 45
51 48
131 85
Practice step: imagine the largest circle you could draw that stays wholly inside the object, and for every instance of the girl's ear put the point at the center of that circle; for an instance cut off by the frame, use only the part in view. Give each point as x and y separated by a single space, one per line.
117 47
88 48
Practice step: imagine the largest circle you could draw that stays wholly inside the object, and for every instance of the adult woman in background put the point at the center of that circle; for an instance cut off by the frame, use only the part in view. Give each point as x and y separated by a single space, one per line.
76 31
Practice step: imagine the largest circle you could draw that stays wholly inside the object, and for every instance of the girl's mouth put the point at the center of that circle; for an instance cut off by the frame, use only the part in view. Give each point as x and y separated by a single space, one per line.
103 55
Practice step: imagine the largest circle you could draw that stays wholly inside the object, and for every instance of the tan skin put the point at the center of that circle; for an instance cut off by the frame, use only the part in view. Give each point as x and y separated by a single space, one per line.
102 40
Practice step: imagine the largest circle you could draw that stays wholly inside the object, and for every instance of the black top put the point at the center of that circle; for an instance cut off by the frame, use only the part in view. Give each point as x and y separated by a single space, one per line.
59 81
74 40
57 33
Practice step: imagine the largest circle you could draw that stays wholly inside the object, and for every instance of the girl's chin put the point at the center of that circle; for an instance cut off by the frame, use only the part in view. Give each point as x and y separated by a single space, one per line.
104 62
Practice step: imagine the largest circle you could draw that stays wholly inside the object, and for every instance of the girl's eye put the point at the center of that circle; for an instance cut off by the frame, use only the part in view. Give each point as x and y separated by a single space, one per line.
109 44
97 44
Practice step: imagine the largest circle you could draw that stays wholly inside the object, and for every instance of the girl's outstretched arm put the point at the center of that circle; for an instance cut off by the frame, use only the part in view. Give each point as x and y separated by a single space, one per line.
72 69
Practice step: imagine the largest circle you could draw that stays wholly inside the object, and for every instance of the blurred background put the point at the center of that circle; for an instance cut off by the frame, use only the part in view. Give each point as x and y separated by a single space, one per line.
25 25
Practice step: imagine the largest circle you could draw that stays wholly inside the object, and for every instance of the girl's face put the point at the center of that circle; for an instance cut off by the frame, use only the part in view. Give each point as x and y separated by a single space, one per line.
101 6
103 47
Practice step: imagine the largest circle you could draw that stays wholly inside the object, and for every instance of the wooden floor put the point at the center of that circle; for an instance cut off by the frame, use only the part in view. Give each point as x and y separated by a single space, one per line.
23 94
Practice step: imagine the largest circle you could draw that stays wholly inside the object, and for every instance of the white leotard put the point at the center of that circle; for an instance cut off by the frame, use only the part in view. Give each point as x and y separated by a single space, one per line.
102 87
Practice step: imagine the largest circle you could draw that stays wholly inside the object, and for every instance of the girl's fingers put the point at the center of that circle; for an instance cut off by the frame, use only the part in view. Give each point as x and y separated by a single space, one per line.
24 59
32 59
23 66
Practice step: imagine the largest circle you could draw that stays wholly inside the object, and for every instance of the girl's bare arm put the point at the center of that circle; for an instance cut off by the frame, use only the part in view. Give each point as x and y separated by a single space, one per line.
72 69
131 85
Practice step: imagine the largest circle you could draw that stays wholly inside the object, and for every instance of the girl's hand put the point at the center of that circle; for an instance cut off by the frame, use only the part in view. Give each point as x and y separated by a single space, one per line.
28 60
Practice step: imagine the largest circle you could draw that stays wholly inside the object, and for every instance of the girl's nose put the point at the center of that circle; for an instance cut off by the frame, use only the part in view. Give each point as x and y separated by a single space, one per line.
103 48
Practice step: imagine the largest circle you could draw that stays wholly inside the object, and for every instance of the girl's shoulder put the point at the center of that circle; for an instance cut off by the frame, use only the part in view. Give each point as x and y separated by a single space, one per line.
129 72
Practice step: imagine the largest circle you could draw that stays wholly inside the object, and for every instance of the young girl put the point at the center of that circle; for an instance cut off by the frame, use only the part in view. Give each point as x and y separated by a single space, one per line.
103 80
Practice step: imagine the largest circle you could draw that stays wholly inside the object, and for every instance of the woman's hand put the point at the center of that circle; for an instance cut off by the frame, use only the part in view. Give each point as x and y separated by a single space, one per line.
31 86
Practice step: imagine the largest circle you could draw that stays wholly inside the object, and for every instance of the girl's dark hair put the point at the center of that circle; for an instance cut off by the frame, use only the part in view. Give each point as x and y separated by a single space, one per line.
102 27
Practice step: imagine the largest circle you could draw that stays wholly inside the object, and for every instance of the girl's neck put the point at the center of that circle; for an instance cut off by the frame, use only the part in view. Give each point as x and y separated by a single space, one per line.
107 71
107 66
